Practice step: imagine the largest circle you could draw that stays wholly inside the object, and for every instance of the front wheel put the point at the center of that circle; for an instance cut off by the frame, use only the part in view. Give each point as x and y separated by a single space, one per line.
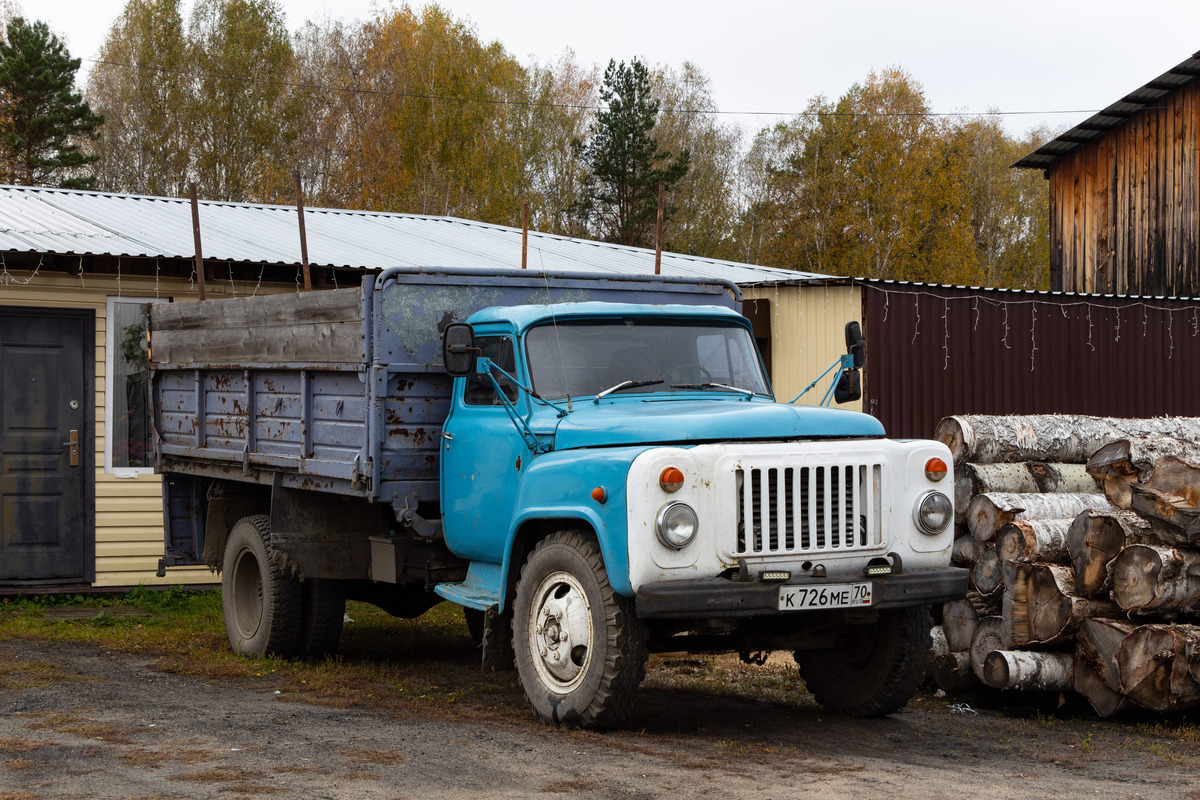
874 669
580 649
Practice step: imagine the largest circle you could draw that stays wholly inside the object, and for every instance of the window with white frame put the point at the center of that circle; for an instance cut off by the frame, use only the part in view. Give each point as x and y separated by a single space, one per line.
127 446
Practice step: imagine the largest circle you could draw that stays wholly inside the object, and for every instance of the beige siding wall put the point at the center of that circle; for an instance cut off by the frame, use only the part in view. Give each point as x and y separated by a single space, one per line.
129 521
807 335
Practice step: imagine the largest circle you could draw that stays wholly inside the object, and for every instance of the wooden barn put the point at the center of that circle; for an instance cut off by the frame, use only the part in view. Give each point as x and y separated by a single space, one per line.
1125 193
80 507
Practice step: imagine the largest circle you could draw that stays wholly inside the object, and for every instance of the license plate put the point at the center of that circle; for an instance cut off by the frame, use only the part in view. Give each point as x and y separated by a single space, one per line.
834 595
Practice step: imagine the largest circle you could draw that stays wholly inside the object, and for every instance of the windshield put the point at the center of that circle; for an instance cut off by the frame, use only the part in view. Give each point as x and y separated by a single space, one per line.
578 358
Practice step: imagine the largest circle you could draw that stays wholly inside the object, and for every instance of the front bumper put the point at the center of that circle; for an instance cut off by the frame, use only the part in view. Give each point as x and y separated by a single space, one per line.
706 598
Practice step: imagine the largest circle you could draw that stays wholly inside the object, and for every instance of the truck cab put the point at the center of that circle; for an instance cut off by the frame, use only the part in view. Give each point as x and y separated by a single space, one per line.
621 479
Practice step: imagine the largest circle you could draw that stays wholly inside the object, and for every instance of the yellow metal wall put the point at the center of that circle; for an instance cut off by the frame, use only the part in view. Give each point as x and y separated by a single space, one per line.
129 519
807 334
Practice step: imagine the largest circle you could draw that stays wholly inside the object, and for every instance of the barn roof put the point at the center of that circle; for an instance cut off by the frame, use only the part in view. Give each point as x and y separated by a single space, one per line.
72 222
1098 125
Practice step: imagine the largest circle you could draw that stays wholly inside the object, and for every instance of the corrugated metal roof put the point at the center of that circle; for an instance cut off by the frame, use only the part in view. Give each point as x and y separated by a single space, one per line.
1099 124
96 223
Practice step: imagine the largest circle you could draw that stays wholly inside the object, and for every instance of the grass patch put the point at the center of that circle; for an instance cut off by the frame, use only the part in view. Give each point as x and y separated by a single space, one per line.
235 780
360 756
725 675
86 728
16 746
16 674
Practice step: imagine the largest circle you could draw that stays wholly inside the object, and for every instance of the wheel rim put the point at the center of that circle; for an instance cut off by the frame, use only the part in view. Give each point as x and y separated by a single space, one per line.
247 594
561 634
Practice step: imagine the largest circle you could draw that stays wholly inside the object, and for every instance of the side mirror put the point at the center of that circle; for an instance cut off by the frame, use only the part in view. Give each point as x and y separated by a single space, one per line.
856 345
458 350
849 387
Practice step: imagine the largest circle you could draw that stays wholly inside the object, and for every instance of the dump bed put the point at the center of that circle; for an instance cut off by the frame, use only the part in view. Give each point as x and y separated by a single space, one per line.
340 391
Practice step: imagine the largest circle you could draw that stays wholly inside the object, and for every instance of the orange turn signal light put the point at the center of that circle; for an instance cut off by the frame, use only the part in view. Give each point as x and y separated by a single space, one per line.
935 469
670 479
600 494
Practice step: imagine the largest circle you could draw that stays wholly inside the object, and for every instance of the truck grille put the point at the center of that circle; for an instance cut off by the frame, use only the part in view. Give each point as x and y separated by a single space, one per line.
797 510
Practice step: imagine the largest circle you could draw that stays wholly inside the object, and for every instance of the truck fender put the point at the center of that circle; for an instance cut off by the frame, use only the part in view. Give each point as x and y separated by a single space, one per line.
556 494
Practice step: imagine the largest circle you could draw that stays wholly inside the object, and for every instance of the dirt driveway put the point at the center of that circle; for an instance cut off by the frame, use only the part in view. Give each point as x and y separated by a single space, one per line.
79 722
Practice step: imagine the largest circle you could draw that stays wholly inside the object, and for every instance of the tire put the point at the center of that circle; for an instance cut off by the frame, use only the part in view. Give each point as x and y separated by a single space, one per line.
323 612
260 600
875 669
564 589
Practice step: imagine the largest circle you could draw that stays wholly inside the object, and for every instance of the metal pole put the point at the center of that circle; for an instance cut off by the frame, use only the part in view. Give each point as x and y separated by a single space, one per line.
524 235
196 237
658 232
303 238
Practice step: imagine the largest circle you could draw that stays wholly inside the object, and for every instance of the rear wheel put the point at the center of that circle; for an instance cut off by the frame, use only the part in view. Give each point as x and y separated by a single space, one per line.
874 669
260 600
580 649
321 618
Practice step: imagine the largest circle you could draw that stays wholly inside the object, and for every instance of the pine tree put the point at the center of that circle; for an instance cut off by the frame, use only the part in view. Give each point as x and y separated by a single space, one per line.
42 120
621 198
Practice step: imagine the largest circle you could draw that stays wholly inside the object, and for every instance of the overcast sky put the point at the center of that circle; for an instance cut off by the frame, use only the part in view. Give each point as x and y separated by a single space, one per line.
1040 63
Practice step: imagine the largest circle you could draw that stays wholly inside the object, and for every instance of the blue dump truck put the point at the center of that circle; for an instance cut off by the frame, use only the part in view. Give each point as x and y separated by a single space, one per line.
593 467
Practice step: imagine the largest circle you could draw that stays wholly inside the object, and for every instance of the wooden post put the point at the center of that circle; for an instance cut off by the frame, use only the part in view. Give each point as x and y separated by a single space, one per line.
524 235
303 237
659 231
196 238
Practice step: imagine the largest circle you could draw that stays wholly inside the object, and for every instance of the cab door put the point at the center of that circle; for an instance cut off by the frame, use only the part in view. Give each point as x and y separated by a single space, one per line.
483 454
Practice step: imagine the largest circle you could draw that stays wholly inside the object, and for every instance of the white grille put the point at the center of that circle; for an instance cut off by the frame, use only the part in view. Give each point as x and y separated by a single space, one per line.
808 509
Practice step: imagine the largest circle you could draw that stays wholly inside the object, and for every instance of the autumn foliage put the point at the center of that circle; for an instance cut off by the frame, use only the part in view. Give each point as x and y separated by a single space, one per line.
413 111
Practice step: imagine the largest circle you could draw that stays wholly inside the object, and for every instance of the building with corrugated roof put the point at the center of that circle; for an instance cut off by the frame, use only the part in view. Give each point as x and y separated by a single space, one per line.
79 503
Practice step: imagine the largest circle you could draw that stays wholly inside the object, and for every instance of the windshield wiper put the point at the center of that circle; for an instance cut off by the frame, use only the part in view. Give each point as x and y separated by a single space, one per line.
712 385
625 385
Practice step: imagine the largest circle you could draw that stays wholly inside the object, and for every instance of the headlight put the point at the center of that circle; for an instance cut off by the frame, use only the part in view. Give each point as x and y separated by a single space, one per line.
933 512
676 525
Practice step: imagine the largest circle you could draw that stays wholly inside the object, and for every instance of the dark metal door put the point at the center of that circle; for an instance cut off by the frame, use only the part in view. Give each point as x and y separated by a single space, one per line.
46 446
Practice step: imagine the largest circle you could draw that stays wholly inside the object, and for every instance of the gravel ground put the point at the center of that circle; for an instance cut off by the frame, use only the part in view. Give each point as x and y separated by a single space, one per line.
80 722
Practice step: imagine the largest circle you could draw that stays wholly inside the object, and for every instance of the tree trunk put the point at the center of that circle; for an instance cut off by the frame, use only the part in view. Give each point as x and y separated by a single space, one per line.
967 551
990 512
988 573
1055 610
1095 538
1063 478
1174 514
938 647
959 621
1048 437
1154 669
989 636
1155 578
975 479
1017 580
952 672
1096 674
1121 463
1025 670
1041 540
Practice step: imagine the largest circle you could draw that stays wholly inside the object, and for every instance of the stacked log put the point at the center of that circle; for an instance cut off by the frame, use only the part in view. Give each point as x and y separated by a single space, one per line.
1083 537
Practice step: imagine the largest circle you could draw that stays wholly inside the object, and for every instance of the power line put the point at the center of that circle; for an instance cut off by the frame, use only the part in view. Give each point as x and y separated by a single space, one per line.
191 73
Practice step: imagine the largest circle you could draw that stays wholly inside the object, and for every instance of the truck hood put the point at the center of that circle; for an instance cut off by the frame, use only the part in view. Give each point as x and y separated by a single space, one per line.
629 421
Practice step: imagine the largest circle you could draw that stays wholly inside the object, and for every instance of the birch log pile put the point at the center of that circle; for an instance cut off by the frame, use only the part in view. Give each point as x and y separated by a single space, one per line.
1067 438
1083 536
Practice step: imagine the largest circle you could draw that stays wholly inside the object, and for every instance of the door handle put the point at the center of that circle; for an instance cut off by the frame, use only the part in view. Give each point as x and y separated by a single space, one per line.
74 445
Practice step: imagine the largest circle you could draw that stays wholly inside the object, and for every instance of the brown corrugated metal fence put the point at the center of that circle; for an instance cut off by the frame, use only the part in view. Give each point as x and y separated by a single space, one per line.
933 351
